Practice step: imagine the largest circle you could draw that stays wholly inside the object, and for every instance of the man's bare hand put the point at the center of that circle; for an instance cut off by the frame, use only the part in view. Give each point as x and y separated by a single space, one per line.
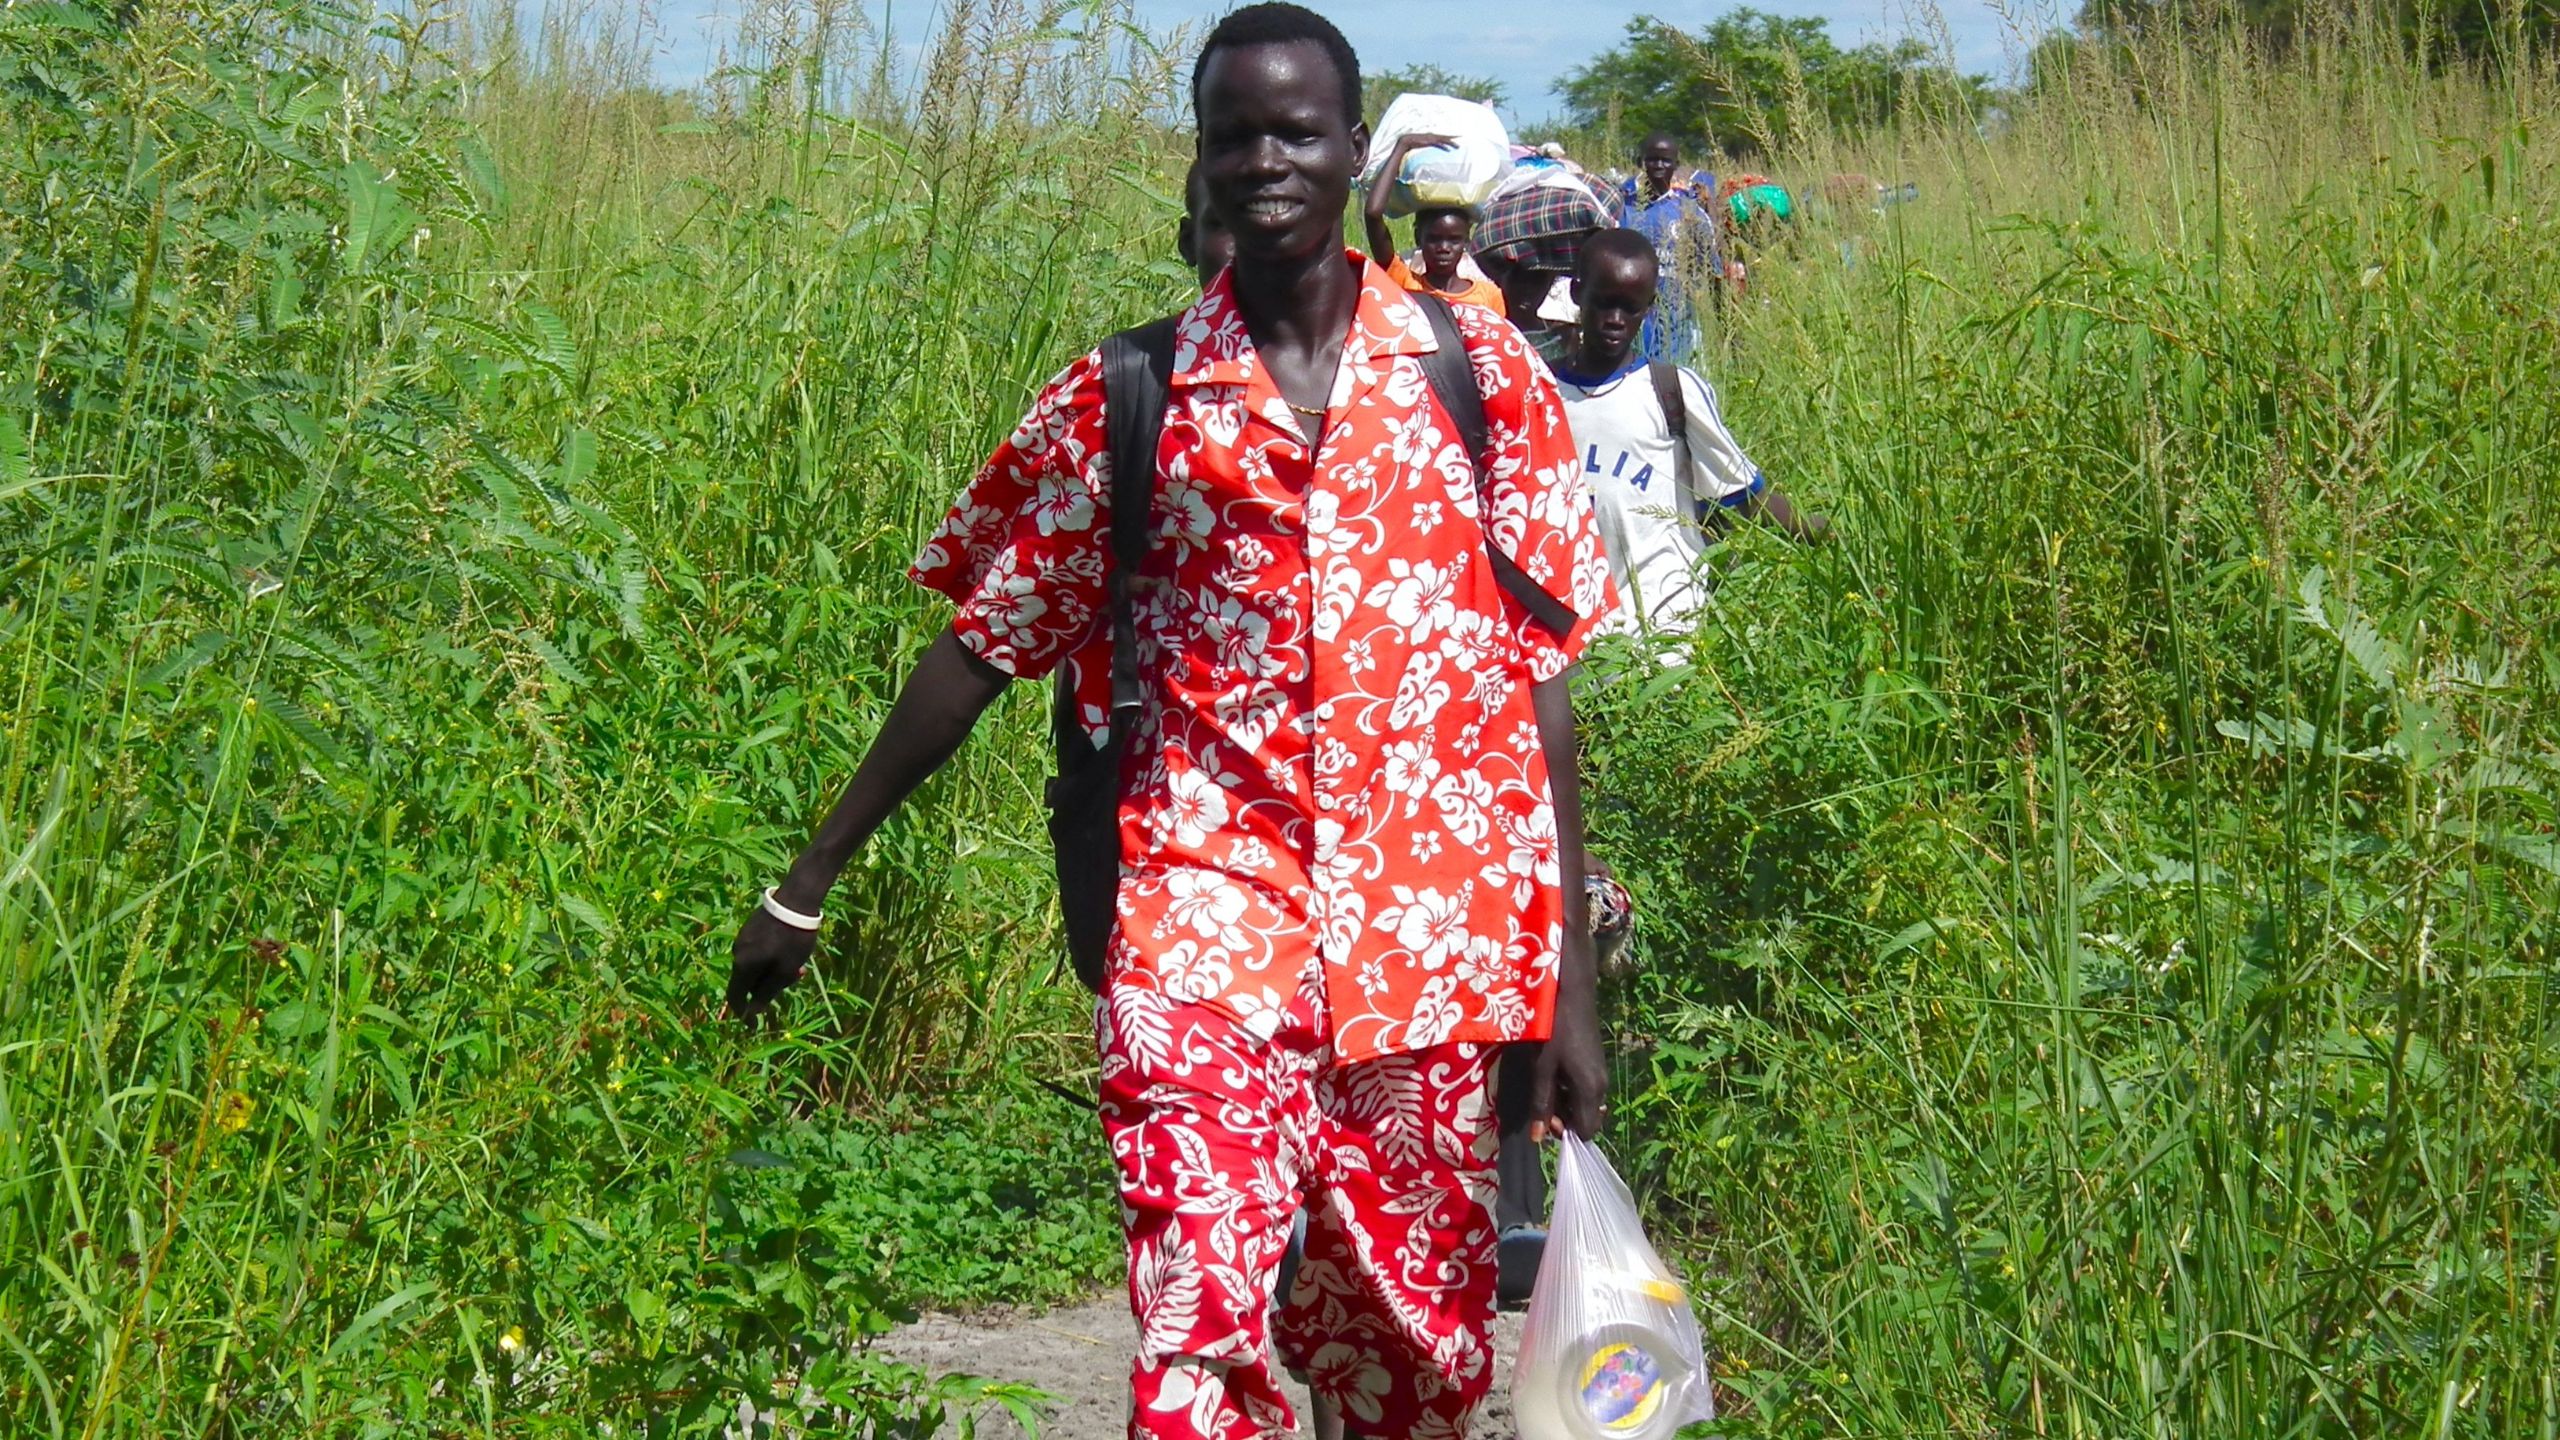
1569 1086
938 705
766 957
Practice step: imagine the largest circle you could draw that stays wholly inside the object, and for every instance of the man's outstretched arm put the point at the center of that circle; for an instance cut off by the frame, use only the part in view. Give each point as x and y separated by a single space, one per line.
936 709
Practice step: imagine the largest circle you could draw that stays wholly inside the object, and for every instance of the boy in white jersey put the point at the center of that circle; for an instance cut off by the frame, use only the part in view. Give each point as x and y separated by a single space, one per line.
1654 485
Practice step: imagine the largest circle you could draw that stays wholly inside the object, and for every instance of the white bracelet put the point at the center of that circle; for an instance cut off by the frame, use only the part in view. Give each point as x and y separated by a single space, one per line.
787 915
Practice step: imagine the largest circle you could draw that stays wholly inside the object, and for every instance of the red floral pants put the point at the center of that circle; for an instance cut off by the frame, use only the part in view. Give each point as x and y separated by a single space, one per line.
1221 1129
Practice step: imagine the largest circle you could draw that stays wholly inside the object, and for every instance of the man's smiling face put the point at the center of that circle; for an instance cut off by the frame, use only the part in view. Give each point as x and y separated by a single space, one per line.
1278 148
1660 160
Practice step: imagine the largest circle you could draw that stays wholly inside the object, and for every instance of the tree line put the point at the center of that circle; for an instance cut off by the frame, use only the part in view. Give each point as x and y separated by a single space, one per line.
1748 80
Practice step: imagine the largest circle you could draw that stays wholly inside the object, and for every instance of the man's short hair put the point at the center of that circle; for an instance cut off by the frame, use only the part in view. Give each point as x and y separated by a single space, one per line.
1430 213
1619 244
1280 23
1659 137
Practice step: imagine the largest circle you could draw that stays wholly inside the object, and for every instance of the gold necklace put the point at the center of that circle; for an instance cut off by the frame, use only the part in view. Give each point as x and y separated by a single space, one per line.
1317 411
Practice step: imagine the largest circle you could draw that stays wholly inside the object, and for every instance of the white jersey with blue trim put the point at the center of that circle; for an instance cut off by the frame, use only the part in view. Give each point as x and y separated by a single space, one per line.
1628 459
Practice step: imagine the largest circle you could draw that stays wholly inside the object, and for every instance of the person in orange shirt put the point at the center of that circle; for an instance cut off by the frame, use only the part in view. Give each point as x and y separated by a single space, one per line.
1442 235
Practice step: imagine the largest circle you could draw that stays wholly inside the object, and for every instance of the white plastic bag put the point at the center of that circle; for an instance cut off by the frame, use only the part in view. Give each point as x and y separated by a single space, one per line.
1610 1350
1461 176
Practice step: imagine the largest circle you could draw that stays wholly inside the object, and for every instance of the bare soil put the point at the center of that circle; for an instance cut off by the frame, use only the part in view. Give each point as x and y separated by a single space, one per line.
1081 1355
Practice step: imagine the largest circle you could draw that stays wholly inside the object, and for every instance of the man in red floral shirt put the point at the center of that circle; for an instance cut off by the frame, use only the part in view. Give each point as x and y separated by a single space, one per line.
1349 816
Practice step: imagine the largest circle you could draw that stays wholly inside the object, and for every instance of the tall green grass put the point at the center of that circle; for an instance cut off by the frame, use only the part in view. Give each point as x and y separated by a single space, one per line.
2098 913
455 510
2103 906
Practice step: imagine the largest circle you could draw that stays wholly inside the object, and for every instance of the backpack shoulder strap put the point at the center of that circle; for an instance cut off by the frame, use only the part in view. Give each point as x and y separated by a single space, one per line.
1453 378
1675 405
1453 383
1137 379
1675 413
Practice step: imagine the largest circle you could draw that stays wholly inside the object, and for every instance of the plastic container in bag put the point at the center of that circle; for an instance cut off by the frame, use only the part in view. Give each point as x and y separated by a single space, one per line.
1610 1350
1460 176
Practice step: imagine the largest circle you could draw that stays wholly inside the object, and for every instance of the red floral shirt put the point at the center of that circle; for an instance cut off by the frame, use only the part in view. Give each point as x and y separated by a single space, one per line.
1340 766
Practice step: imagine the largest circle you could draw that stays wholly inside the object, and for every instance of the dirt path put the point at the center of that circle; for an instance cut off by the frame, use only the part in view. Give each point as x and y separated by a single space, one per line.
1081 1355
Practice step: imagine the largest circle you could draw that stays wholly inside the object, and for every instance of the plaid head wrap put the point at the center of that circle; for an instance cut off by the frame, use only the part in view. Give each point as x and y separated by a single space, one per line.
1542 226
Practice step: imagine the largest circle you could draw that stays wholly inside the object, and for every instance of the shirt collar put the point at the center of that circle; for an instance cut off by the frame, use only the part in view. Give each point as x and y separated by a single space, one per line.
1566 373
1210 346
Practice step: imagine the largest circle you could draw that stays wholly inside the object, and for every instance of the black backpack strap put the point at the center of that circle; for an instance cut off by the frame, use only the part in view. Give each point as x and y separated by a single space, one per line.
1675 413
1453 378
1453 383
1137 379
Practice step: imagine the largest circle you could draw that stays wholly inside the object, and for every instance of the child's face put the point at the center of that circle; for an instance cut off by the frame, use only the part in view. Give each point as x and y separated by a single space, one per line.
1522 289
1616 291
1443 241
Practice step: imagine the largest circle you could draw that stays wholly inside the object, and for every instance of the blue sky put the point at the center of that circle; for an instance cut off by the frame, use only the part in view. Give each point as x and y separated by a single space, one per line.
1526 44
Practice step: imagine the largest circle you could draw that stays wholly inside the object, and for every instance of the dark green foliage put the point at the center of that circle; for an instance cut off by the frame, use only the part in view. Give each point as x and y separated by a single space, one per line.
1380 88
1749 80
426 626
2098 914
1004 1201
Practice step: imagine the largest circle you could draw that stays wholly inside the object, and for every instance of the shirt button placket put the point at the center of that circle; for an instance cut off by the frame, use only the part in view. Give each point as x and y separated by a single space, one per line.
1323 670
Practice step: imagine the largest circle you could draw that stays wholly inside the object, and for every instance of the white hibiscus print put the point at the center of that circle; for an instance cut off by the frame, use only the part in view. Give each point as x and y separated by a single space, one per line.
1209 905
1351 1377
1482 966
1411 767
1474 640
1061 506
1421 599
1196 806
1427 922
1184 503
1534 855
1013 608
1237 634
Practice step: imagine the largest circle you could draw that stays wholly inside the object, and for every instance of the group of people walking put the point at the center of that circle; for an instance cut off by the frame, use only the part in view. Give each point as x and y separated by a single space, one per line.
1604 290
1315 594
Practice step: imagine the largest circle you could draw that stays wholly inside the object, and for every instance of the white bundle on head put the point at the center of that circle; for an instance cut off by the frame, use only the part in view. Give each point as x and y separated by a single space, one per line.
1457 177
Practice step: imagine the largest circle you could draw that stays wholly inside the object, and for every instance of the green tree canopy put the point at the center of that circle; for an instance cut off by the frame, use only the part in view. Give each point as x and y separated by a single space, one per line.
1378 90
1730 83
